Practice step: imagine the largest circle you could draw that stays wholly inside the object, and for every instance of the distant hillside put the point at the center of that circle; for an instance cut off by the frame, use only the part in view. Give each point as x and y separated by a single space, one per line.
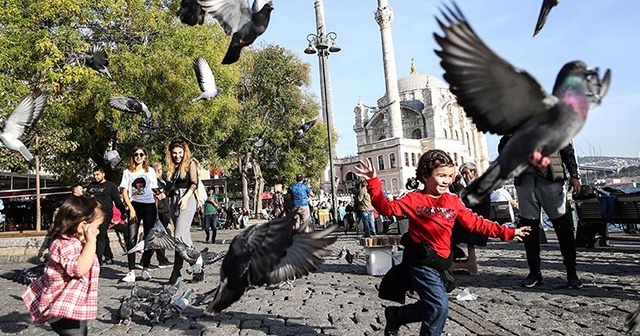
608 161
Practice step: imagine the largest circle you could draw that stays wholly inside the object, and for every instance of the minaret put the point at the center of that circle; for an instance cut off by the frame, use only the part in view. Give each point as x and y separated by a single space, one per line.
384 18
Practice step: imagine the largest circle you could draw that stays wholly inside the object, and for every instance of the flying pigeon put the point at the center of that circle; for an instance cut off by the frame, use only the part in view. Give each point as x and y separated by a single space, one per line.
191 255
96 58
205 79
129 104
544 12
242 22
190 12
258 140
268 253
157 239
304 128
502 99
22 118
632 322
378 108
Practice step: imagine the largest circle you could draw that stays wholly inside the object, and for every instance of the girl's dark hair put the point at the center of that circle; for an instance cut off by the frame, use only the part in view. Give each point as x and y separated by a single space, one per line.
431 160
145 163
74 210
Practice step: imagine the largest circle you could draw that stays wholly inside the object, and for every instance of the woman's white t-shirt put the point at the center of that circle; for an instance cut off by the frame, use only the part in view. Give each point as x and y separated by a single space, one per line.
140 185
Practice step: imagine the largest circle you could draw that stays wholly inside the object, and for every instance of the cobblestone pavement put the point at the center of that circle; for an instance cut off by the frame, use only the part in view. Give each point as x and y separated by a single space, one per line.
341 299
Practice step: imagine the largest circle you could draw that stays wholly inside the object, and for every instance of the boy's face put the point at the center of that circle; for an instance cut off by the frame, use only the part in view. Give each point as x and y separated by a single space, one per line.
440 180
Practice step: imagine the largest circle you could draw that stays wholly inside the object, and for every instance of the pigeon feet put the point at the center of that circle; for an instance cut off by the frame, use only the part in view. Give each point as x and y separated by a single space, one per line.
539 161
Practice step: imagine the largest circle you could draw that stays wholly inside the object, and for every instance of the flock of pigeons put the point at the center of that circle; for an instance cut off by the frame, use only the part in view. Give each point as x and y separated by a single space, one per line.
498 97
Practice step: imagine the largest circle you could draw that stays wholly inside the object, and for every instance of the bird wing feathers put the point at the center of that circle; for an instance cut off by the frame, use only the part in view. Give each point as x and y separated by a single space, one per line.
120 103
100 58
159 240
597 88
206 80
230 14
496 96
19 119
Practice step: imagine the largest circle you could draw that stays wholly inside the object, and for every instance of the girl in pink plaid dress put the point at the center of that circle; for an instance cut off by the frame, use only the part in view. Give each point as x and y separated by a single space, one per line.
66 295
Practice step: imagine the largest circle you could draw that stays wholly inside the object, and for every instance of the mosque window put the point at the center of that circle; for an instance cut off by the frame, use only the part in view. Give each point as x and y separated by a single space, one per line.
468 143
380 162
456 135
394 184
392 160
413 159
406 159
382 138
384 184
455 158
416 134
350 176
445 134
370 161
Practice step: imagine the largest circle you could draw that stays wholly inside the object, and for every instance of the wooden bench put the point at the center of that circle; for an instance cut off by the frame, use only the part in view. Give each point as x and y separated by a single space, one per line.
591 222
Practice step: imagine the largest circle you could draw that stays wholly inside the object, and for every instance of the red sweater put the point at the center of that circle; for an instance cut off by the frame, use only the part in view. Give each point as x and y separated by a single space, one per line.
431 219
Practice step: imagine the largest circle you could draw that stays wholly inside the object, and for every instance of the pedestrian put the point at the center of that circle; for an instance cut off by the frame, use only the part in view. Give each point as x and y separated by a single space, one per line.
66 295
210 216
137 185
182 171
427 253
77 189
162 206
366 210
278 203
299 194
106 193
544 189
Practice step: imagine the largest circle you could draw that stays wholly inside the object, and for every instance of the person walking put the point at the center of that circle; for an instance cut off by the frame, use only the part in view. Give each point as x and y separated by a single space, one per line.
162 205
210 216
427 253
138 184
366 210
299 193
106 193
544 189
66 295
182 171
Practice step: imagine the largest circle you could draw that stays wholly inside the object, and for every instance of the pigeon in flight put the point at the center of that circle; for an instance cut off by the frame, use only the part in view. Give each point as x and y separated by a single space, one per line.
205 79
304 128
268 253
157 239
96 58
376 109
258 140
502 99
22 118
129 104
190 12
243 23
544 13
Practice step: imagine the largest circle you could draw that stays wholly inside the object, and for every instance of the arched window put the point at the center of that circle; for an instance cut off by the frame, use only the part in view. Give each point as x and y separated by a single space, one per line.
416 134
468 143
406 159
456 135
382 138
413 159
455 158
380 162
445 134
392 160
370 161
350 176
394 184
384 184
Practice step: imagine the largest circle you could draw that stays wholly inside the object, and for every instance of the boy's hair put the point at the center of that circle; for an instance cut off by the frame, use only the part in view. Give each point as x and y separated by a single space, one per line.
74 210
299 178
98 169
431 160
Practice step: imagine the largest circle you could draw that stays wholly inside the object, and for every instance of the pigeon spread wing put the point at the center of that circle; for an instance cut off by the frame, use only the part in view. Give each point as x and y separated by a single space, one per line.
120 103
230 14
159 240
100 59
598 87
19 119
544 13
206 80
496 96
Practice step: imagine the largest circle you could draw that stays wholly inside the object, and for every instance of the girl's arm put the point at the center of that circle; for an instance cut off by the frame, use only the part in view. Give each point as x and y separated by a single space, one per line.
193 184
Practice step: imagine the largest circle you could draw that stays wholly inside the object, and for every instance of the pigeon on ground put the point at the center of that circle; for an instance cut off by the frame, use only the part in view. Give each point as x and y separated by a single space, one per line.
96 58
190 12
129 104
304 128
20 120
349 257
242 22
127 308
544 12
206 80
179 305
25 276
632 322
502 99
267 254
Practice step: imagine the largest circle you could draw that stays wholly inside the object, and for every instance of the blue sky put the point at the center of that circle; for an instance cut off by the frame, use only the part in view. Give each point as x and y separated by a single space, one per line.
605 34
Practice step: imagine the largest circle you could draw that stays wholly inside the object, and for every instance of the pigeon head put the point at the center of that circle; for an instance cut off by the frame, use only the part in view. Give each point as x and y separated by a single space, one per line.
264 6
577 85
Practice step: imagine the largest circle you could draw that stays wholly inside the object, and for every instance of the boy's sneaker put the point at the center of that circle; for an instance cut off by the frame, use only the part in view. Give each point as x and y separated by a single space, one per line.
574 283
146 275
165 264
532 280
130 277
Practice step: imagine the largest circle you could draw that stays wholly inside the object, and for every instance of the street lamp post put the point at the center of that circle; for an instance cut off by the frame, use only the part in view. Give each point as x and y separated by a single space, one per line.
324 44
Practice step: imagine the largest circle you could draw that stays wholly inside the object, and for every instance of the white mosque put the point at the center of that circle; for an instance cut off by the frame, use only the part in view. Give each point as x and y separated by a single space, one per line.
417 113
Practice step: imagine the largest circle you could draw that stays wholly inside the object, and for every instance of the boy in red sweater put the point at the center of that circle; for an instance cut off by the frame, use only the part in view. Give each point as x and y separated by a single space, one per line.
432 213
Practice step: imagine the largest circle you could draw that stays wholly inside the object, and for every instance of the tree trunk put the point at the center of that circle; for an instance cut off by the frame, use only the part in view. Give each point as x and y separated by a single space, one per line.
38 211
243 167
259 186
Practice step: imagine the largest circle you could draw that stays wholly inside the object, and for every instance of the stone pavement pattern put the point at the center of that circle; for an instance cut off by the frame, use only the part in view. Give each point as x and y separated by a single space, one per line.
341 298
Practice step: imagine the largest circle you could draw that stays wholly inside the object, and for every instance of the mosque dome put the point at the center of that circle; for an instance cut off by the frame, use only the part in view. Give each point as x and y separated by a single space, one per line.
418 81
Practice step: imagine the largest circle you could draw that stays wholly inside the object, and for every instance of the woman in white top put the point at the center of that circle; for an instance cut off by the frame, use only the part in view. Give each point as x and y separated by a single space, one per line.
138 186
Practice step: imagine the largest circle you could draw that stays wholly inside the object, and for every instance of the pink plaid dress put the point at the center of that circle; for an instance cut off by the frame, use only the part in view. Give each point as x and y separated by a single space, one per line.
62 291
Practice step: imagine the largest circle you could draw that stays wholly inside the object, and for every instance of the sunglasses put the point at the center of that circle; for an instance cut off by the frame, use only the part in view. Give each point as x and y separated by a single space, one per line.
138 155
